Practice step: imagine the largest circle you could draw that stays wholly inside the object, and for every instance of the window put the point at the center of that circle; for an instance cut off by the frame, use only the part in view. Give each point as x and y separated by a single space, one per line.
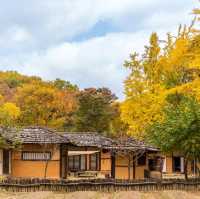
194 167
155 164
77 162
70 162
94 162
141 161
83 162
152 164
176 164
36 155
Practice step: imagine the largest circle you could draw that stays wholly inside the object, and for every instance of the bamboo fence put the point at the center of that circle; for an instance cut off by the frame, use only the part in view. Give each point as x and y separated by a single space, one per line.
104 185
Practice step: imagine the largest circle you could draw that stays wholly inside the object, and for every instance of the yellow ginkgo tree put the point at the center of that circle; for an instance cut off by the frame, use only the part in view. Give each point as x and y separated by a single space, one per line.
167 67
9 114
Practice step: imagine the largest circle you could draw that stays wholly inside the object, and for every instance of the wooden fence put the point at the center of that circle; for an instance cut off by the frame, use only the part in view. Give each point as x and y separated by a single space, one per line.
108 185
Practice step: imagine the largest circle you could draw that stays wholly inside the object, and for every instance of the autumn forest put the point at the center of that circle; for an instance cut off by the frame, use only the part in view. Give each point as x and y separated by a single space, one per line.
58 104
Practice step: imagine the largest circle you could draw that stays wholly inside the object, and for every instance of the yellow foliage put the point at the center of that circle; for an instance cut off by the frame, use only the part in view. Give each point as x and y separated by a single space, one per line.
143 110
174 68
1 99
11 110
44 105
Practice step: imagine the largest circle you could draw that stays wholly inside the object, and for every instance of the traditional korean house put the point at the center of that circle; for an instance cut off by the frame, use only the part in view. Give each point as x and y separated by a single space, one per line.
88 154
38 155
44 153
120 159
135 160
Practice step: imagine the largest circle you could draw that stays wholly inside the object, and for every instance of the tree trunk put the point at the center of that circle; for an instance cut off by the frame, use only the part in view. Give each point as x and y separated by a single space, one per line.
185 169
45 171
129 167
161 167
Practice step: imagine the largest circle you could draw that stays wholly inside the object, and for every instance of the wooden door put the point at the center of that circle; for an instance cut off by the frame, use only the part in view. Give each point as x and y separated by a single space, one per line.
6 162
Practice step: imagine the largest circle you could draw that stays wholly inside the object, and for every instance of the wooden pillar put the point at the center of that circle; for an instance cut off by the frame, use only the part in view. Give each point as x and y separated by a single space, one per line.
10 162
66 162
129 167
195 167
63 161
1 161
87 159
99 160
134 167
172 163
112 164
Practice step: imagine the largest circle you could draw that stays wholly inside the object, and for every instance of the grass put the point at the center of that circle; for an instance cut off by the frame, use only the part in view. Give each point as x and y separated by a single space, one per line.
99 195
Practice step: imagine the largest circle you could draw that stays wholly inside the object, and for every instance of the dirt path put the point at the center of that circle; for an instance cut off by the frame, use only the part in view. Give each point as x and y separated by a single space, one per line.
98 195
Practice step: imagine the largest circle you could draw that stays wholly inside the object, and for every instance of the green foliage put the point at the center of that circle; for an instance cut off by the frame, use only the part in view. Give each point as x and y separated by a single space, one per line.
180 129
95 111
13 79
64 85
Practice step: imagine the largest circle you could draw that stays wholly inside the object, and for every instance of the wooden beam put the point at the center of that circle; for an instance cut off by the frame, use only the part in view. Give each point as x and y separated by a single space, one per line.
112 165
129 167
134 167
100 160
62 161
66 162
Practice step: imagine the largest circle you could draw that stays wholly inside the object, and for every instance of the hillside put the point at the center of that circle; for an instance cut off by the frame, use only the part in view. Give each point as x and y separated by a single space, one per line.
58 104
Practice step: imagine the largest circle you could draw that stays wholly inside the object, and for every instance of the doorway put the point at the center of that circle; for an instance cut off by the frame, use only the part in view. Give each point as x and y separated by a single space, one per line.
176 164
6 162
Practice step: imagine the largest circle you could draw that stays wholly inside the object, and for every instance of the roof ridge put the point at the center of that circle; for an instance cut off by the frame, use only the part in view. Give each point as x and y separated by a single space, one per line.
36 134
84 133
39 127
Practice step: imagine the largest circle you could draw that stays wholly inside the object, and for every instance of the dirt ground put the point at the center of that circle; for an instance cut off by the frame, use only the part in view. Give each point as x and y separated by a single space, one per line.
98 195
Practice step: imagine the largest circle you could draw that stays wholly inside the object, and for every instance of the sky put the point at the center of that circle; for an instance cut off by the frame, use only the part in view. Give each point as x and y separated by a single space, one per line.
83 41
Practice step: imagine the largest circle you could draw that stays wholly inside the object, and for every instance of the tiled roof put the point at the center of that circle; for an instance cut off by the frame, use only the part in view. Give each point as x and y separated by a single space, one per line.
40 135
88 139
130 143
96 140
